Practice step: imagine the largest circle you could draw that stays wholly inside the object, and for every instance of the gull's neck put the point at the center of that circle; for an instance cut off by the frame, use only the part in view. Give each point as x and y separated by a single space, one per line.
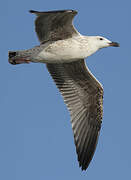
88 44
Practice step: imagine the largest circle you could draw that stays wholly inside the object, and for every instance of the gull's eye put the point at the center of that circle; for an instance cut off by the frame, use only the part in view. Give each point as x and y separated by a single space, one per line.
101 39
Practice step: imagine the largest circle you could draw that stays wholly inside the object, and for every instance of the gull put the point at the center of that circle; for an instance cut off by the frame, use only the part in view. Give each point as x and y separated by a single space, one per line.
63 49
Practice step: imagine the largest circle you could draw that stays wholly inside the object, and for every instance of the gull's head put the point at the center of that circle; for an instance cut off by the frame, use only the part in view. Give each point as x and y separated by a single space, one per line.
101 42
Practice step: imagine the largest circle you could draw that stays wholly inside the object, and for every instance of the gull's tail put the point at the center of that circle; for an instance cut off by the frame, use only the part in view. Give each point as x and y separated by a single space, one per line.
18 57
25 56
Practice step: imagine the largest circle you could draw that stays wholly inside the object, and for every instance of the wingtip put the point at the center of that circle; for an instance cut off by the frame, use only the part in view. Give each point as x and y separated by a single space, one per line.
72 10
75 11
32 11
83 167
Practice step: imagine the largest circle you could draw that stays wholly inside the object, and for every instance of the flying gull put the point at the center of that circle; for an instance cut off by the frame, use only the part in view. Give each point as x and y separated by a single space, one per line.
64 49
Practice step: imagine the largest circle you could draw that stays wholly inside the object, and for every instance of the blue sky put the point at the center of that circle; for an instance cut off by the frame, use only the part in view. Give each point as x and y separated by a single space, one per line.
36 140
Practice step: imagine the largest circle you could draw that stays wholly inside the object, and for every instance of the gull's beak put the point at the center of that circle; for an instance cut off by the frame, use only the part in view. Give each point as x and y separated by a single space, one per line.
115 44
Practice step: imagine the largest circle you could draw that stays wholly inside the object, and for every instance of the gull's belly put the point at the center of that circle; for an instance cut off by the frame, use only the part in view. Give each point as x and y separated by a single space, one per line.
62 51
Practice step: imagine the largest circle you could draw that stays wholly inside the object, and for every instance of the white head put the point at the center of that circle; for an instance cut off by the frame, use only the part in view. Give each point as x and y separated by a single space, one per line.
98 42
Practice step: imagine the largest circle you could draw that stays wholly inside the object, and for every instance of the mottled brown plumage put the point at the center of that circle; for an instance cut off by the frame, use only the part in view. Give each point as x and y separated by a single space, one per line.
83 96
54 25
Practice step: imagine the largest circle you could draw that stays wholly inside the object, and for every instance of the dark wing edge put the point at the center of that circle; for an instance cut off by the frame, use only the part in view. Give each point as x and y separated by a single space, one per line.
83 96
54 25
55 11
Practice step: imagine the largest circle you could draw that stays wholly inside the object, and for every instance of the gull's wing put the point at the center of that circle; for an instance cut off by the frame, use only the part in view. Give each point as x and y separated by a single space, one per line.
83 96
54 25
